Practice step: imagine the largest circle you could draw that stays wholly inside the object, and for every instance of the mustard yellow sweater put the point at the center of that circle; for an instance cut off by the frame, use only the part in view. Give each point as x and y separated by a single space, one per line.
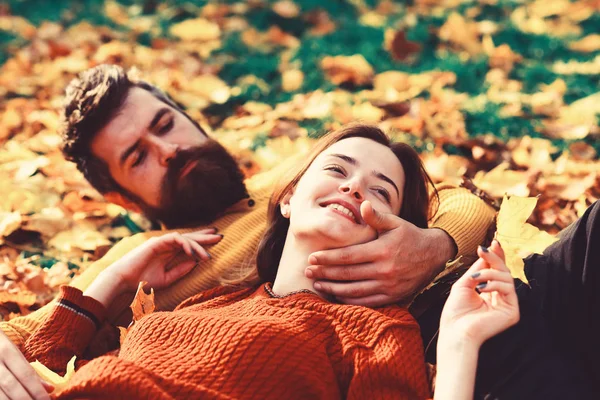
464 216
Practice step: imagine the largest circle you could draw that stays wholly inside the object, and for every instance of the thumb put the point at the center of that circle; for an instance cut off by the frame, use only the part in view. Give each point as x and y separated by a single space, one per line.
381 222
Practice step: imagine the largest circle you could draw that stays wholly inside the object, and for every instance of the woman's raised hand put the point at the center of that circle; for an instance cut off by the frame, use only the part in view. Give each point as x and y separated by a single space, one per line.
483 302
164 259
160 261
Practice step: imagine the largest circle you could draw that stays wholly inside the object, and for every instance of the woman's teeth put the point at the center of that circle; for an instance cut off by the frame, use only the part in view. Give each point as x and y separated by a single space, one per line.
343 209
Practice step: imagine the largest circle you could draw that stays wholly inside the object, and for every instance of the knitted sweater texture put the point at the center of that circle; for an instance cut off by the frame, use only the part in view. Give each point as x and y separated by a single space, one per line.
243 344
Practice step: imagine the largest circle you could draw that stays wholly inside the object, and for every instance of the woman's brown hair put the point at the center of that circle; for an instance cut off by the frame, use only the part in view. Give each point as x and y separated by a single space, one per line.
415 205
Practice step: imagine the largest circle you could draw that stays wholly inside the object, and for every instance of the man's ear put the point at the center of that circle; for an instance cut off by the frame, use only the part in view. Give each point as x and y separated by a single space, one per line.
284 205
123 201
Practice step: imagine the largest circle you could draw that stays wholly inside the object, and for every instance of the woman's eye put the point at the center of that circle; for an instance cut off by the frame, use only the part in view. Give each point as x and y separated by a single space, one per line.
336 168
384 193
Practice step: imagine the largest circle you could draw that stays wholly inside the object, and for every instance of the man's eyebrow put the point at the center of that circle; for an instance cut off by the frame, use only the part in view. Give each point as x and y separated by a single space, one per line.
157 118
379 175
128 152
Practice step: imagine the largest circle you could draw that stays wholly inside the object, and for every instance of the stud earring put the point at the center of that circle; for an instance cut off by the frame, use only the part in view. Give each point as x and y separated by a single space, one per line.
285 212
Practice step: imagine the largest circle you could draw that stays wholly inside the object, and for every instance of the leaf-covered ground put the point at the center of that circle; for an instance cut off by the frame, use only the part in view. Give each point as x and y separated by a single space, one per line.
504 92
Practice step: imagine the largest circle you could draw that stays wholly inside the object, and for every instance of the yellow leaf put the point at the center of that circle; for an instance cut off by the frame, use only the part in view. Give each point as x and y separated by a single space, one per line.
517 237
196 29
59 382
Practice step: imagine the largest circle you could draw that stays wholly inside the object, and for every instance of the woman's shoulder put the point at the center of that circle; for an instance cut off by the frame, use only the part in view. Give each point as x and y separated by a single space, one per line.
221 294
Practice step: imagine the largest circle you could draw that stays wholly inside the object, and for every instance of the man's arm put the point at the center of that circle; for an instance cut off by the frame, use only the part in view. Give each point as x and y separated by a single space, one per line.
404 258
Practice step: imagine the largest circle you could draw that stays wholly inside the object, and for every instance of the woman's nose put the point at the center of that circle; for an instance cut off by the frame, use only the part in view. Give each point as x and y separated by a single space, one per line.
353 189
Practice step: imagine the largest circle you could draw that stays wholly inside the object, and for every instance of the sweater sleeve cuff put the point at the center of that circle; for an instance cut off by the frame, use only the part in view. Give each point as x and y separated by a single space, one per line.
465 217
87 307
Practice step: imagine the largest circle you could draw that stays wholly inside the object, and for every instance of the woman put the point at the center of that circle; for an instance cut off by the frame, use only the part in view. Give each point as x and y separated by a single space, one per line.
282 339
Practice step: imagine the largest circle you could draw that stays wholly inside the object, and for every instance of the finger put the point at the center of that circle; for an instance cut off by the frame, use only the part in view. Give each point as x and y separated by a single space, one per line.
498 250
351 289
379 221
492 259
184 243
200 251
205 231
207 238
11 386
357 254
342 272
504 288
3 395
25 374
491 275
48 387
178 271
375 300
465 280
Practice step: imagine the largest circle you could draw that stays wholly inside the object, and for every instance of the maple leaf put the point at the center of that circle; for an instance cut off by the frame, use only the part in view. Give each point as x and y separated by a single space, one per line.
402 48
517 237
142 304
59 382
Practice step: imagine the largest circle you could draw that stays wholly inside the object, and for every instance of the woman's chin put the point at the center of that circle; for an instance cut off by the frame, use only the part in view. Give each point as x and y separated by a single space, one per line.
335 236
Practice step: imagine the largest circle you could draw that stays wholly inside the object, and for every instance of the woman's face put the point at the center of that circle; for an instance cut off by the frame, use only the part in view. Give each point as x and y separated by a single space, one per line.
325 205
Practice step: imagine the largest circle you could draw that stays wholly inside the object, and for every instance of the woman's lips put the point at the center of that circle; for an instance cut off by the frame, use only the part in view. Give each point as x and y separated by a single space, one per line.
338 212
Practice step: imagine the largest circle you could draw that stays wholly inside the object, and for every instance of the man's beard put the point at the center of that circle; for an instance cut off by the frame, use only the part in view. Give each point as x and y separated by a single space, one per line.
214 184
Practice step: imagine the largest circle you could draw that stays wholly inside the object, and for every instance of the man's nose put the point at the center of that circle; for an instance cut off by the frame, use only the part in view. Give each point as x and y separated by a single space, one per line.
353 188
166 150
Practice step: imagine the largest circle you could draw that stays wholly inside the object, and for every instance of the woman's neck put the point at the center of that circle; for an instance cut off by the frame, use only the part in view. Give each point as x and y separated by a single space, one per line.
294 260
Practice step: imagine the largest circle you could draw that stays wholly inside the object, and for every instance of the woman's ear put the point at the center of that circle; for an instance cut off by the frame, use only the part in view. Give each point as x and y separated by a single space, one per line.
284 205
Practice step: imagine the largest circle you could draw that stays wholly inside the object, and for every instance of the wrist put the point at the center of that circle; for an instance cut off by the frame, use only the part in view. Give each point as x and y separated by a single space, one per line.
106 287
454 341
442 247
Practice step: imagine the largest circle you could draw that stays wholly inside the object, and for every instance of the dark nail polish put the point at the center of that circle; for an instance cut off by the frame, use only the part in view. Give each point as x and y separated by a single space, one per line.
475 275
209 256
481 285
484 249
218 234
216 229
478 291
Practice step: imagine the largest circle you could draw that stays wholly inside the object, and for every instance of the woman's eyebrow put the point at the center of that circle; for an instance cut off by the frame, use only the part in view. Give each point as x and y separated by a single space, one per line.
378 174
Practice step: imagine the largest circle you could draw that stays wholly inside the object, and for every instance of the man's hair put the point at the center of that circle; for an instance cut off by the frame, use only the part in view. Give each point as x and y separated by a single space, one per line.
92 100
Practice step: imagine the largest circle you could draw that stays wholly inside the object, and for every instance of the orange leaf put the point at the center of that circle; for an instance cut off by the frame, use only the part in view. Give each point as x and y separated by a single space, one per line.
142 303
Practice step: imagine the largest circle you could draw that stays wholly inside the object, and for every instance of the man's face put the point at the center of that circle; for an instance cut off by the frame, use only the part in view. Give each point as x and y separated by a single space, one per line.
170 168
141 140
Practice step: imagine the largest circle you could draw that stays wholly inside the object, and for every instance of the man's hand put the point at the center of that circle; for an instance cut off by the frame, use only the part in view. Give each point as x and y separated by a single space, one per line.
389 269
18 379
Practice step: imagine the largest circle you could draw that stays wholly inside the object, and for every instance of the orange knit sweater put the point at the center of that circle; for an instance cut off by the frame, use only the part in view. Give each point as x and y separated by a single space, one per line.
250 343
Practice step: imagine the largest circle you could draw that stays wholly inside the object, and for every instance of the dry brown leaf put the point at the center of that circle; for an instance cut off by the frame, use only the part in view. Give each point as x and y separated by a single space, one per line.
587 44
198 29
142 304
517 237
9 222
500 181
286 9
291 80
354 70
22 297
